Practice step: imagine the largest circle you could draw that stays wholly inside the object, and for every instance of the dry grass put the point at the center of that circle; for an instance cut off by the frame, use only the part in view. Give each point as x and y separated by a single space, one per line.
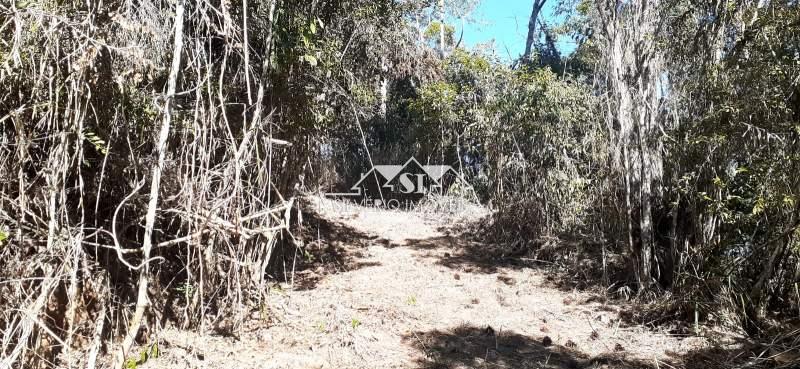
408 307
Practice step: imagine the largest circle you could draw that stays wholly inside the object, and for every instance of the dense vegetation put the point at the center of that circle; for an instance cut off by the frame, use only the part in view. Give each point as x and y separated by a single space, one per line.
151 151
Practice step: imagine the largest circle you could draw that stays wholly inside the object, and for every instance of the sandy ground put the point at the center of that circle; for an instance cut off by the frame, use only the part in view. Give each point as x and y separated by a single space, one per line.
412 295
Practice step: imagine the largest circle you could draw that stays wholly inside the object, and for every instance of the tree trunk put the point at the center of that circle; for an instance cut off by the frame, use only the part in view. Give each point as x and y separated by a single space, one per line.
420 32
537 7
441 29
646 218
383 88
632 74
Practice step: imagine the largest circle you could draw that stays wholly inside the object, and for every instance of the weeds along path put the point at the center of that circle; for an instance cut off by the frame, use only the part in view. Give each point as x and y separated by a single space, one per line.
409 294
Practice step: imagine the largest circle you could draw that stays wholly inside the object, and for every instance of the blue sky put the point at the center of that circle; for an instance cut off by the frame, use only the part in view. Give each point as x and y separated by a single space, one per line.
506 22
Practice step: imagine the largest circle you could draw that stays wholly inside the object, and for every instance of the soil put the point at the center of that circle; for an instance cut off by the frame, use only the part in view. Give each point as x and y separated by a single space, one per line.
402 290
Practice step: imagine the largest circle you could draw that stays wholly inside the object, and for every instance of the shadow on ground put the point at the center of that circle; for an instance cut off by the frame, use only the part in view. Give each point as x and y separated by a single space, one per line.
572 262
472 347
741 356
460 252
482 347
330 247
568 264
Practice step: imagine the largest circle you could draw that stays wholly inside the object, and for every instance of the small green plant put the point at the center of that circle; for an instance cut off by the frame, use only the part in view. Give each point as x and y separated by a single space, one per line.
355 323
277 289
98 143
187 289
131 363
322 327
147 353
154 352
412 300
308 256
3 237
263 312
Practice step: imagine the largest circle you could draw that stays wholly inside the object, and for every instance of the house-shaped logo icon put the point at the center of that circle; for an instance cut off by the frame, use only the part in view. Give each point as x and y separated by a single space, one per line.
410 181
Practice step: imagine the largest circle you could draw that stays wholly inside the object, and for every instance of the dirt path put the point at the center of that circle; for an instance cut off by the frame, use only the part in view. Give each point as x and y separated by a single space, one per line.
411 295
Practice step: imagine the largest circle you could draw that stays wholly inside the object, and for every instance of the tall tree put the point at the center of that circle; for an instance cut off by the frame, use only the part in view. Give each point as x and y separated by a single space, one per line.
537 7
633 69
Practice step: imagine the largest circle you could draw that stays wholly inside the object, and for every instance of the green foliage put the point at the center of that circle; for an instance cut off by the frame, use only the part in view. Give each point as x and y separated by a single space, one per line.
732 160
131 363
187 289
436 102
308 256
98 143
537 133
147 353
471 64
544 146
364 95
154 351
433 32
